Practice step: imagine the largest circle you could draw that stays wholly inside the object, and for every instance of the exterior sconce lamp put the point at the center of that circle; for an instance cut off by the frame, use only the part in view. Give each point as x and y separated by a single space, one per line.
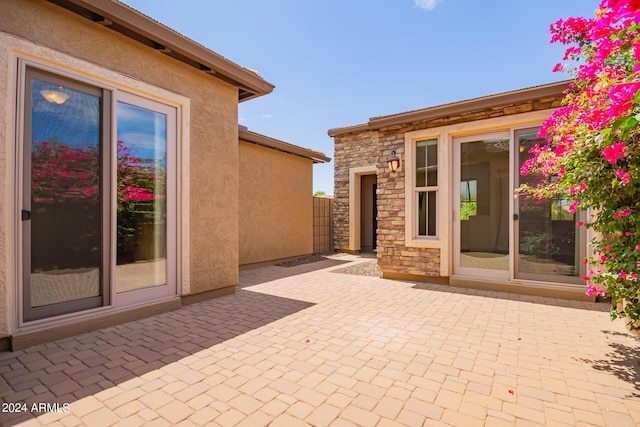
54 96
393 162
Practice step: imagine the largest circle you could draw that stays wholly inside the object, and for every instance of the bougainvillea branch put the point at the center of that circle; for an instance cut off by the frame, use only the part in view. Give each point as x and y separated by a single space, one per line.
592 155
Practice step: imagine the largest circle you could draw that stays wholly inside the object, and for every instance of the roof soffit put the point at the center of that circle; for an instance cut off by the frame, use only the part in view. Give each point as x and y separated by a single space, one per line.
144 29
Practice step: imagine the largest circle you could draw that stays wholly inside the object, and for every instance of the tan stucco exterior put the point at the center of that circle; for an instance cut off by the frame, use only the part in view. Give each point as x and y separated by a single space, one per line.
50 36
275 204
237 202
212 133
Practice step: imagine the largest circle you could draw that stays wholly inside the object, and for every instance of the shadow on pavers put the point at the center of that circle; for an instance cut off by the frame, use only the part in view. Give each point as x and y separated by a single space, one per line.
70 369
623 361
259 275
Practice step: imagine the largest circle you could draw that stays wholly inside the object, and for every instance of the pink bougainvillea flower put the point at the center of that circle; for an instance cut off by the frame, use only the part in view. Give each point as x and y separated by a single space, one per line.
624 176
572 206
622 213
623 274
638 247
603 258
577 188
592 290
621 99
627 233
613 152
560 150
580 223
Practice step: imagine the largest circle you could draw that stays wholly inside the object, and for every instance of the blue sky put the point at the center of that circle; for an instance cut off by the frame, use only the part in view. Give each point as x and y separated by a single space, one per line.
339 62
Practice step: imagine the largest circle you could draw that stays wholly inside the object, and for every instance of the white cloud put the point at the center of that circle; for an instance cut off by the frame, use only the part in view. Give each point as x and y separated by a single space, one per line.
267 116
427 4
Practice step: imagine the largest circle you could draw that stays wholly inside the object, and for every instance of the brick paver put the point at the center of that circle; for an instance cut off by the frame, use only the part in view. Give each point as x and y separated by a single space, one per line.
304 346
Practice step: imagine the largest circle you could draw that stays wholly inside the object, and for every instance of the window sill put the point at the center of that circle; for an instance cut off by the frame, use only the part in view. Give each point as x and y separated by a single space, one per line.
424 243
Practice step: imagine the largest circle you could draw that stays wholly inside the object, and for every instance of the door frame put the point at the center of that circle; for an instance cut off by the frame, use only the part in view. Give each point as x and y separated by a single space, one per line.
458 140
115 85
29 313
355 204
581 233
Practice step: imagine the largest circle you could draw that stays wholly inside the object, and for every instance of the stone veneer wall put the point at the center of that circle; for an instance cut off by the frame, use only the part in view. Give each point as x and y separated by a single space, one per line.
373 147
350 151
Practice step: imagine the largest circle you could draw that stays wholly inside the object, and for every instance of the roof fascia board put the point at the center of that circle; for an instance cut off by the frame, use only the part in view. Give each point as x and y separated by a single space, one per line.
245 135
212 62
349 129
460 107
470 105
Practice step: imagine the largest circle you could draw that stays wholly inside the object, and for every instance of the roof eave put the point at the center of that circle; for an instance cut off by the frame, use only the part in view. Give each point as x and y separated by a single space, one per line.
266 141
349 129
460 107
134 24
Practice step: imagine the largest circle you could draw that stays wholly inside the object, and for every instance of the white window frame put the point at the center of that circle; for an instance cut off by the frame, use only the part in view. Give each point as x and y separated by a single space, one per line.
425 189
412 239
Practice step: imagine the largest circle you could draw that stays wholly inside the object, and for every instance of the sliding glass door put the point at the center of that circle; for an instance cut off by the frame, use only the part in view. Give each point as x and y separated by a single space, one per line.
497 235
64 197
482 205
549 245
145 219
98 214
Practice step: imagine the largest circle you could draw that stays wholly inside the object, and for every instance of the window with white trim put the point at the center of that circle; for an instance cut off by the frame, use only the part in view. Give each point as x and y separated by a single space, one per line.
426 187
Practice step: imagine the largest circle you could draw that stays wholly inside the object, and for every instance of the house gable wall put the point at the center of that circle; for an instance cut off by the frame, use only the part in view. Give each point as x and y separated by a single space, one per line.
359 149
275 205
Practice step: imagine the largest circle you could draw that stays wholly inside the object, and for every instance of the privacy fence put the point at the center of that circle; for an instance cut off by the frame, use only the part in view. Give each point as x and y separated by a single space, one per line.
322 225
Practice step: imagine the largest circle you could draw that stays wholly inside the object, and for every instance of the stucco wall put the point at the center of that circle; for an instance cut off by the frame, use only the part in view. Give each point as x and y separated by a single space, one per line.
373 147
6 192
275 204
212 133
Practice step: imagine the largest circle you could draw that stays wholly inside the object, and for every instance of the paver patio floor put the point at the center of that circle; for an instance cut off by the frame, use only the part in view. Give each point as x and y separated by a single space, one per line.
308 346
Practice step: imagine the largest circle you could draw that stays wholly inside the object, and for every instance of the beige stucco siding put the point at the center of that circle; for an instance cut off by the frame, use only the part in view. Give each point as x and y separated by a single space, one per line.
211 172
276 204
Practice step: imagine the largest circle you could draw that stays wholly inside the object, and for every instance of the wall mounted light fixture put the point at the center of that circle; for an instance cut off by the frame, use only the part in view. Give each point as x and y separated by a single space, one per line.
393 162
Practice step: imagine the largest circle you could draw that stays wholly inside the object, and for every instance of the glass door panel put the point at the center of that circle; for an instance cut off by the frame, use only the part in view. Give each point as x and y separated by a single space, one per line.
482 196
548 240
142 198
62 197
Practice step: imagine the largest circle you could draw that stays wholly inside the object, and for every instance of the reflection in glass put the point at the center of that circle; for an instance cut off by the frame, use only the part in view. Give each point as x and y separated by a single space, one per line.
484 204
547 241
427 213
468 199
65 226
427 163
142 190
